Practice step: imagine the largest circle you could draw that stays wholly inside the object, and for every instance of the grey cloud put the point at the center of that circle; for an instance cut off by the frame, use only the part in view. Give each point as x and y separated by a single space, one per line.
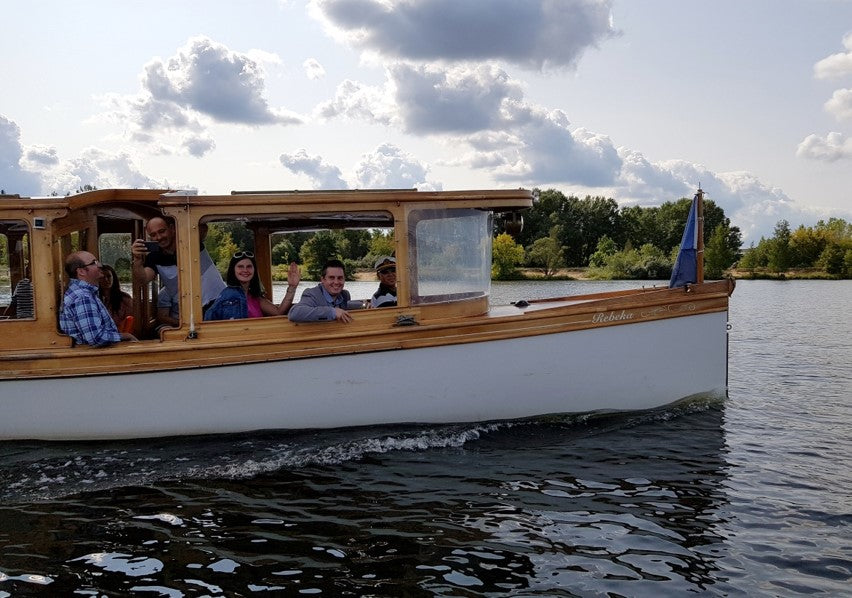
198 145
13 177
207 77
322 174
532 33
42 155
536 147
483 108
180 96
460 100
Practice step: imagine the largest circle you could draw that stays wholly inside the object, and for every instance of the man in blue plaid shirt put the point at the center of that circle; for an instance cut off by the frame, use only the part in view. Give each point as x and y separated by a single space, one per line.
83 315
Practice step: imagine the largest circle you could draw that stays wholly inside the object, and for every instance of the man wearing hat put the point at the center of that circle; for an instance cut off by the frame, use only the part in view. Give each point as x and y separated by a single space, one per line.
386 271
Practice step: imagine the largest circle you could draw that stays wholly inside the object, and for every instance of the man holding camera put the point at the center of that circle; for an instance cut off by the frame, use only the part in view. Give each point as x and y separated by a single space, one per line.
159 256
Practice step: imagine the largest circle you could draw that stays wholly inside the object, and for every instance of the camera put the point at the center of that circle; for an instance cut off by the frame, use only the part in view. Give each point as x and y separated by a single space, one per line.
152 246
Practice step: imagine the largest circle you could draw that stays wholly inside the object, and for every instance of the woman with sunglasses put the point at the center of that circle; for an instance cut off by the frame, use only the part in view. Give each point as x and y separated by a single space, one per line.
244 298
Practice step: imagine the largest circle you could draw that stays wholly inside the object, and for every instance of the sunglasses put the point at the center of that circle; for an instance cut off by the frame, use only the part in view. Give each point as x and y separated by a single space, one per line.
242 254
388 271
92 263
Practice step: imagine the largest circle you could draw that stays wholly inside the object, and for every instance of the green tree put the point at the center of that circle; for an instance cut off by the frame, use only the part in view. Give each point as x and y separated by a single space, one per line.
718 254
283 251
382 243
832 260
220 245
540 218
114 249
806 246
606 247
320 248
779 248
547 253
357 243
506 254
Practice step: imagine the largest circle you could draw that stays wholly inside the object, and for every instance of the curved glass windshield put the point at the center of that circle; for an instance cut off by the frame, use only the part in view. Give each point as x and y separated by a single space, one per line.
451 254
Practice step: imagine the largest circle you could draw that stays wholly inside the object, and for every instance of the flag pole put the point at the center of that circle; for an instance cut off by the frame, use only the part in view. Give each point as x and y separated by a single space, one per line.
699 241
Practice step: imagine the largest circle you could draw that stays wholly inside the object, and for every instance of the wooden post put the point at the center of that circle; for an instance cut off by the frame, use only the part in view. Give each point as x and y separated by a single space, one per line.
699 242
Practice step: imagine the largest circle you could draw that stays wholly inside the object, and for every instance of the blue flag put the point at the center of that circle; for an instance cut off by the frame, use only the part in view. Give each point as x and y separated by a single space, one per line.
685 269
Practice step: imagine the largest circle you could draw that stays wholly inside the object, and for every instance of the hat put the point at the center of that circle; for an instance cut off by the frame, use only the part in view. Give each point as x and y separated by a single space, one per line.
384 261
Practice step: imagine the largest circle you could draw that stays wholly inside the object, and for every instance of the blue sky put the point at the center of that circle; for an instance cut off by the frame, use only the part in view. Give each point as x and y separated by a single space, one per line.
639 101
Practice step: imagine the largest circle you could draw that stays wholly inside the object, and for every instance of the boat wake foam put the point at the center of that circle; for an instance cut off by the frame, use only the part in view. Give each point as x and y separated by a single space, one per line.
47 471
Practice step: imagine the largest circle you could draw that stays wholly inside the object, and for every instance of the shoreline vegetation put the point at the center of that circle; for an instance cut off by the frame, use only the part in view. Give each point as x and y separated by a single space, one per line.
582 274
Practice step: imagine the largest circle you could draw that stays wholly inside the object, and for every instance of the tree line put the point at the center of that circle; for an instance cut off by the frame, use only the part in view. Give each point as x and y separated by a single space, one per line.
825 249
631 242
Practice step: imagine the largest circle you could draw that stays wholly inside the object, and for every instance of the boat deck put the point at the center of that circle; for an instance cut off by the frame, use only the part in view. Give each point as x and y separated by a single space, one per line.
501 311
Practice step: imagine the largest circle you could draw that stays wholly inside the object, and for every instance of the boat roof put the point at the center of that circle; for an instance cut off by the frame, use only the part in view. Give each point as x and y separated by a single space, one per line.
498 200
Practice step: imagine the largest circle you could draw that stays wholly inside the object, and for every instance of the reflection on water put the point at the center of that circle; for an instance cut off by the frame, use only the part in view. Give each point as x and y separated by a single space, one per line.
537 506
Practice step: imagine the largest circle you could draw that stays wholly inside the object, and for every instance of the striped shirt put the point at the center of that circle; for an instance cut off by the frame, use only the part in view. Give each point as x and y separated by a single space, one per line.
85 318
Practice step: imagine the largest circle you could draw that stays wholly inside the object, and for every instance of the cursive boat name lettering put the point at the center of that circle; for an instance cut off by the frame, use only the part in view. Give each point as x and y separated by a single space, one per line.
612 316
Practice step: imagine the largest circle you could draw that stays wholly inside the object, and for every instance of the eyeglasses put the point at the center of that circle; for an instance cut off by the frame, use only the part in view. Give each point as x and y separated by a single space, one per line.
92 263
388 271
242 254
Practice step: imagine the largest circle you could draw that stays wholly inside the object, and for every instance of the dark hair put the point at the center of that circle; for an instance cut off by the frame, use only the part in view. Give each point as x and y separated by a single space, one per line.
333 264
115 295
255 289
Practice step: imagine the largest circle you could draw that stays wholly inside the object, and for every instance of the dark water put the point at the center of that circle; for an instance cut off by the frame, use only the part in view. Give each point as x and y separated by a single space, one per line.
751 496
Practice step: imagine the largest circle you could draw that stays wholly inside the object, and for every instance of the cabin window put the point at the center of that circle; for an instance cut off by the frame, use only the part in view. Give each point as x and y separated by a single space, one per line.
114 250
451 254
310 239
16 289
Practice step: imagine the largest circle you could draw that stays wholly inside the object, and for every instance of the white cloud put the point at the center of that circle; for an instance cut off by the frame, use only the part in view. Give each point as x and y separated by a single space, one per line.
313 69
831 148
751 205
840 104
101 168
836 65
536 34
204 82
355 101
389 167
322 174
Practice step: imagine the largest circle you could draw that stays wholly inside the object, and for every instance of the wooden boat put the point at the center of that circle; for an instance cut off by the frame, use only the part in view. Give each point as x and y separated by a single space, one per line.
444 354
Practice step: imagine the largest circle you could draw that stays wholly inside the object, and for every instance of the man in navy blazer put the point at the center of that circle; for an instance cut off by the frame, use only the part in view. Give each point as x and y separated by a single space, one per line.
328 300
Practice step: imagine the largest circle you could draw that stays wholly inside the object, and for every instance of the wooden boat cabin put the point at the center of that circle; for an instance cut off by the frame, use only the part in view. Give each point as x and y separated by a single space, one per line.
441 240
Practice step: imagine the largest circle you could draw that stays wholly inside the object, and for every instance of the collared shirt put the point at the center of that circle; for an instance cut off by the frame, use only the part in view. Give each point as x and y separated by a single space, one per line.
339 301
85 318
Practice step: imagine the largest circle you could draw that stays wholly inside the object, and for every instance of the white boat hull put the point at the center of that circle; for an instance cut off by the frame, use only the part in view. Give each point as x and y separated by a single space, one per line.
625 367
